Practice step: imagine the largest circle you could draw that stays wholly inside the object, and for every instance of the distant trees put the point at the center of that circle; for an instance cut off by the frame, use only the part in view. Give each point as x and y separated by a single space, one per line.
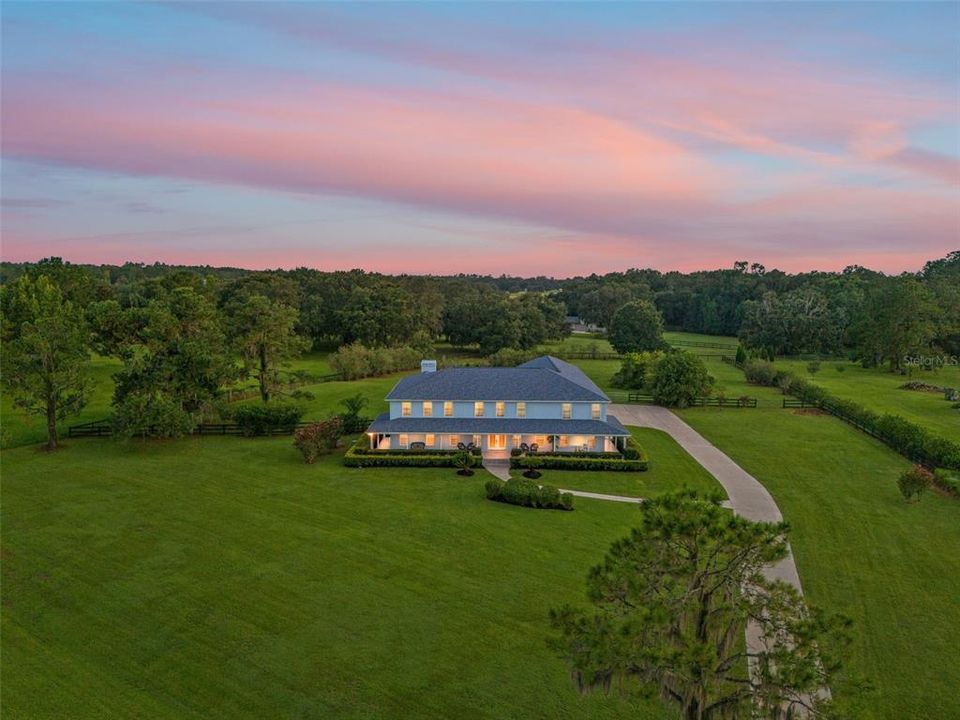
671 604
898 318
46 343
598 306
263 333
175 356
635 327
799 321
673 378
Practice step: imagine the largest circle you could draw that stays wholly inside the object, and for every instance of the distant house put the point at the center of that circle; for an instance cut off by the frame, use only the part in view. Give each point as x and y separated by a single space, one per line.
546 404
577 325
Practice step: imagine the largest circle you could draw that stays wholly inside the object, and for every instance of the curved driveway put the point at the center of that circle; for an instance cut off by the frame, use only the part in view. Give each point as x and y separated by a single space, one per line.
747 496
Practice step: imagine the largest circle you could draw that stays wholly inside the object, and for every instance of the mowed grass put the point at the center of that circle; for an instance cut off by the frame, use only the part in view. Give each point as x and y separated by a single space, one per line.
671 468
891 566
222 578
879 390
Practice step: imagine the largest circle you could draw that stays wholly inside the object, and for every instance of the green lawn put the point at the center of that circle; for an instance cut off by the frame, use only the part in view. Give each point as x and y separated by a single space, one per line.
221 577
879 390
678 337
670 469
894 568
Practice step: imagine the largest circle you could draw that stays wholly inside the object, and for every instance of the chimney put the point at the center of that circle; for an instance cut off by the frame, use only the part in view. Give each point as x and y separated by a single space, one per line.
428 366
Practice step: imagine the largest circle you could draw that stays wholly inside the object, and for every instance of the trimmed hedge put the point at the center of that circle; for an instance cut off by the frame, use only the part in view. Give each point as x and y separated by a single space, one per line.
527 493
358 456
574 462
906 437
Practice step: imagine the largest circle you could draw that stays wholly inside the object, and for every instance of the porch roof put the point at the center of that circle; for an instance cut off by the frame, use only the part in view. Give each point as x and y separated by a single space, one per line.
506 426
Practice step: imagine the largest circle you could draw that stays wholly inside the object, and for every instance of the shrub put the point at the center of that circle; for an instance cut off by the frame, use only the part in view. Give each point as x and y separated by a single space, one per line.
318 438
741 357
357 361
632 451
464 461
510 357
573 462
151 415
261 419
947 480
759 372
353 422
493 488
526 493
813 367
358 456
913 482
637 370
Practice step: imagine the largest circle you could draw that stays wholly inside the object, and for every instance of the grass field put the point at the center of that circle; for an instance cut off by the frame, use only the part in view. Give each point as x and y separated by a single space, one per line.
221 577
670 469
860 549
879 390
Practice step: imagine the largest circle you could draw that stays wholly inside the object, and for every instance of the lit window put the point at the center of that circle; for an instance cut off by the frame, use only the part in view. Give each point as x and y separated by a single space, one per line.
594 441
521 409
564 441
567 411
478 409
427 408
454 439
404 440
448 409
431 440
500 406
477 440
595 411
516 441
405 409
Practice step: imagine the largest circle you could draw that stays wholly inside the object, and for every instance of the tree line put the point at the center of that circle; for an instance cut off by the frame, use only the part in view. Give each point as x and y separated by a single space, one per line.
183 334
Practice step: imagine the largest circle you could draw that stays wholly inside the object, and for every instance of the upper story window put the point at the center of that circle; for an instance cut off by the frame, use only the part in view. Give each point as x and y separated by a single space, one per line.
595 411
567 411
448 409
500 408
427 408
478 408
521 409
405 408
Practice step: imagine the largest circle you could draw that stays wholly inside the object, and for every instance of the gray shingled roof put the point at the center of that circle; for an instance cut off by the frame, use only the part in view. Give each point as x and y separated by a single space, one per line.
544 378
507 426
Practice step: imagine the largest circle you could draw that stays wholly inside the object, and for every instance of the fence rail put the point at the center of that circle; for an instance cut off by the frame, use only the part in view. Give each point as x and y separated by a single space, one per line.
590 356
700 344
741 402
798 403
103 428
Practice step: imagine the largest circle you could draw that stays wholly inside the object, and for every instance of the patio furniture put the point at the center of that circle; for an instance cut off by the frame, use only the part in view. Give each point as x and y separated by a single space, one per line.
534 447
524 447
461 446
418 446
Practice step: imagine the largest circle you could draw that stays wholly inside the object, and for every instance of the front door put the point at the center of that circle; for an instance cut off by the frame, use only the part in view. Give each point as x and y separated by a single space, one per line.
496 442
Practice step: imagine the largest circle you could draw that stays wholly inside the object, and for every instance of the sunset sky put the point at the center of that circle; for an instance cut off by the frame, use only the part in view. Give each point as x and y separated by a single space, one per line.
491 138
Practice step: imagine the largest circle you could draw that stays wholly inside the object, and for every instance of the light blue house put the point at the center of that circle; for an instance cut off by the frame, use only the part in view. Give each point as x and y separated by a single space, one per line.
545 404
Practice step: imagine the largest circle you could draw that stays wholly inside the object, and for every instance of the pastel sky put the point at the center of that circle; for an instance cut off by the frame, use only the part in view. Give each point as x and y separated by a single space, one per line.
527 139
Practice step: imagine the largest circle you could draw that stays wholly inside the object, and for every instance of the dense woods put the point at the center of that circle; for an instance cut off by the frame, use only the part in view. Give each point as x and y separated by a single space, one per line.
183 333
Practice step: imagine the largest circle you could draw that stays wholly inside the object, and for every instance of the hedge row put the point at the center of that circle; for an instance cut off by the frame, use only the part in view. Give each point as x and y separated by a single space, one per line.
527 493
353 459
573 462
909 439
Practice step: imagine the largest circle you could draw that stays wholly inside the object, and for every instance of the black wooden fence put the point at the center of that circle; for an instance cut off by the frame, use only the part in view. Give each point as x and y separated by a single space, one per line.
740 402
103 428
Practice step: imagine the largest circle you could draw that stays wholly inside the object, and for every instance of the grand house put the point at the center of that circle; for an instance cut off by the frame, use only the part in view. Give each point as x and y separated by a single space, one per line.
545 405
